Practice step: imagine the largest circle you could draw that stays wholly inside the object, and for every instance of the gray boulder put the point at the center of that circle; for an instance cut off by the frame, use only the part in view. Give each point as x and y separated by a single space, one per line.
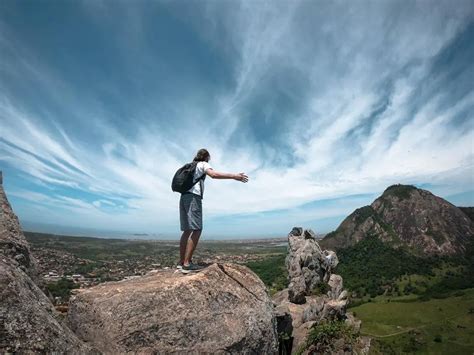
307 264
308 267
335 282
224 308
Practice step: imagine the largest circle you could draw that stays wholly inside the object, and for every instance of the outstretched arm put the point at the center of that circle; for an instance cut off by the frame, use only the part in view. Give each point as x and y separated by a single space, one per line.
218 175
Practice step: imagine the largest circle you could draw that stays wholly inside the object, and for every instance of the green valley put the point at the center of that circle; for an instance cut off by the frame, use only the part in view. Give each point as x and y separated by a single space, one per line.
409 325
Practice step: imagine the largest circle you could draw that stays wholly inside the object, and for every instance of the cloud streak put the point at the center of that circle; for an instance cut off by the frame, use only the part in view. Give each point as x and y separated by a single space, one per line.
315 101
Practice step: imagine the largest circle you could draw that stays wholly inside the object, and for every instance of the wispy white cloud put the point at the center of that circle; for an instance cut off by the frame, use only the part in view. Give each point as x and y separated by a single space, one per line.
353 73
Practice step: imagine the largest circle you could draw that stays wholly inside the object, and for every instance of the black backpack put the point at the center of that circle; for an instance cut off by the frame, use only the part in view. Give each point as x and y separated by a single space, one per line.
183 179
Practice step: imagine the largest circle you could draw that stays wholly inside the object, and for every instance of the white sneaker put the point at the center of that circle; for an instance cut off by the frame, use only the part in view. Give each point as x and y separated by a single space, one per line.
180 266
190 268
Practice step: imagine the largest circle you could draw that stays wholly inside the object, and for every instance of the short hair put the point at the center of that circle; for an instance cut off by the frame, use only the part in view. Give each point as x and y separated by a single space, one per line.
202 155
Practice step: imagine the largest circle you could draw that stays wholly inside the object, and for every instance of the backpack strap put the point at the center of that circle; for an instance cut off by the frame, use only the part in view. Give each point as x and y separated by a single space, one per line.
202 177
201 186
198 180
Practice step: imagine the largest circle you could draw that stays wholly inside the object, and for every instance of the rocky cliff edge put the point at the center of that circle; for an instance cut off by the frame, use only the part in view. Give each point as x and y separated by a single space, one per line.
29 324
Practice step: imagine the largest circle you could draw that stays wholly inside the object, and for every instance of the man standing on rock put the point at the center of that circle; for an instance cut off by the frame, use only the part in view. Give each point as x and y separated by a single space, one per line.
190 208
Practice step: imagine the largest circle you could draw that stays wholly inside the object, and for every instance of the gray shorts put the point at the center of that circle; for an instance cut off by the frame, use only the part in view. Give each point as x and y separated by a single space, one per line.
190 212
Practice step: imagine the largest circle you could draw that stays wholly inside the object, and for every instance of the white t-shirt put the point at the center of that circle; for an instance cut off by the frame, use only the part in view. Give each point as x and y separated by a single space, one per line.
201 169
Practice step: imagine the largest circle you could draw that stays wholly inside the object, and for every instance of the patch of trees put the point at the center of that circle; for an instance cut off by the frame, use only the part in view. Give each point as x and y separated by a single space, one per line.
372 267
272 272
62 288
323 337
400 191
455 281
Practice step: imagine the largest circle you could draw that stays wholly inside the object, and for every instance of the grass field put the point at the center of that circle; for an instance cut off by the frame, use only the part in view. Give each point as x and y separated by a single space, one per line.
406 325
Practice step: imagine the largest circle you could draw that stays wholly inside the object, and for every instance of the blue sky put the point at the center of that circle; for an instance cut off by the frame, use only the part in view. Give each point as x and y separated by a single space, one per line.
322 103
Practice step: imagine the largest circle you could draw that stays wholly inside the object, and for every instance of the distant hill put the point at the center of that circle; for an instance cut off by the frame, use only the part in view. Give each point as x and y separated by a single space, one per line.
409 217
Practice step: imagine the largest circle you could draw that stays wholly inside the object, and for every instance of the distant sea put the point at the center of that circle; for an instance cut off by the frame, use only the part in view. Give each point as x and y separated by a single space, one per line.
90 232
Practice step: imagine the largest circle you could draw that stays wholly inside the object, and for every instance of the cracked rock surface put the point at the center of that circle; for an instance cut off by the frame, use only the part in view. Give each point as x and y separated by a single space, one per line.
223 308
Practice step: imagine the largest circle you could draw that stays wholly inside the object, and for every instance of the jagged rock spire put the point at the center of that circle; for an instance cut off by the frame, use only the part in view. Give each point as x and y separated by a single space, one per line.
308 265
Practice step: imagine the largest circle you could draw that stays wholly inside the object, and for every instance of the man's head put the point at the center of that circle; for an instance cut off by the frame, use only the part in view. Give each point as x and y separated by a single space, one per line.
202 155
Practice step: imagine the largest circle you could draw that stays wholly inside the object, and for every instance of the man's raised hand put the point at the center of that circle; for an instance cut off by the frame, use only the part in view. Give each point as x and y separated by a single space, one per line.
242 177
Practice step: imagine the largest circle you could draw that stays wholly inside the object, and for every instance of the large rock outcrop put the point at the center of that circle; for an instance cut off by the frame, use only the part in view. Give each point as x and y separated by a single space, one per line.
314 294
13 244
407 216
223 308
307 264
28 321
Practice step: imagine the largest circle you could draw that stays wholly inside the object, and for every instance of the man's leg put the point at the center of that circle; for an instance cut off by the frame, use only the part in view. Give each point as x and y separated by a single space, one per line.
191 246
182 245
197 235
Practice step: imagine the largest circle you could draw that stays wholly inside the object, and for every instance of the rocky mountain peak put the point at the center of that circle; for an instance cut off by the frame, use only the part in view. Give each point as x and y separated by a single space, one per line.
399 191
405 215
